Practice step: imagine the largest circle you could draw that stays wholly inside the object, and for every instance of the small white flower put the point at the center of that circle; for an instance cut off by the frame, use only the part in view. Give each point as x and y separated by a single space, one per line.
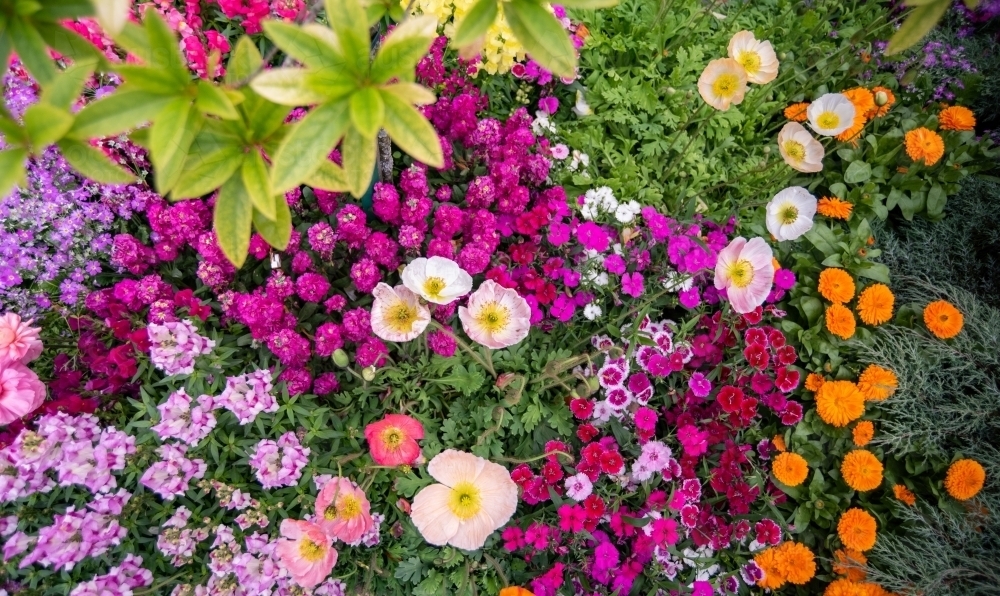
624 214
592 311
831 114
542 124
790 213
602 412
581 108
676 282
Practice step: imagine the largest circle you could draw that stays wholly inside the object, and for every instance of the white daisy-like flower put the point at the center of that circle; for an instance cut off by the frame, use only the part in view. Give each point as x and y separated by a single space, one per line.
756 57
437 279
790 213
592 311
831 114
677 282
624 214
799 149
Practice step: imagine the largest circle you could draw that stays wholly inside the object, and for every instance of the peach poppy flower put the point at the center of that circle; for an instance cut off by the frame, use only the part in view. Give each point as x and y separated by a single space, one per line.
831 114
397 314
475 497
799 149
306 552
723 83
21 392
437 279
745 271
19 341
393 440
496 317
756 57
343 510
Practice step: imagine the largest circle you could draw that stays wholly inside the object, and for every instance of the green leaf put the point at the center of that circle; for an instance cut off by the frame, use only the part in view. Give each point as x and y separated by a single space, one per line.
213 100
823 239
233 216
287 86
351 28
307 144
331 84
170 138
12 170
150 79
277 233
328 176
258 185
93 163
589 4
208 166
311 50
367 111
46 124
244 61
133 38
812 308
115 113
474 24
359 161
857 172
917 24
542 35
411 93
165 53
66 87
403 48
31 50
876 271
410 571
264 117
936 200
411 131
12 130
468 381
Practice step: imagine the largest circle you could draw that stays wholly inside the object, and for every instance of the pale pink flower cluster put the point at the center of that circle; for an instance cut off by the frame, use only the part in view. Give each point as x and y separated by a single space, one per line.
170 476
21 391
279 463
75 448
175 345
248 395
579 487
120 580
655 457
178 420
73 536
178 541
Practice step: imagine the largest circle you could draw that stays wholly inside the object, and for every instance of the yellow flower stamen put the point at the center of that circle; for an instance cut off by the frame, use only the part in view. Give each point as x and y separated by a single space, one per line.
726 85
433 287
311 551
465 500
795 150
828 120
788 215
494 317
346 508
750 62
741 273
392 437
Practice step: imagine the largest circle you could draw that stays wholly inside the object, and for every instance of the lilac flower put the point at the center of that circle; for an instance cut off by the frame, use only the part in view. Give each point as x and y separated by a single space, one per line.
175 345
75 536
180 421
279 463
248 395
170 476
120 580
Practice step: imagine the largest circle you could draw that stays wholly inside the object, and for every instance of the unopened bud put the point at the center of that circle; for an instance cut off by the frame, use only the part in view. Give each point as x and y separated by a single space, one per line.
671 91
506 379
368 374
340 358
881 98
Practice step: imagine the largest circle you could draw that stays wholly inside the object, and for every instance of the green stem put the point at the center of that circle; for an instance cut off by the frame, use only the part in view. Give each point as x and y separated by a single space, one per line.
485 363
511 460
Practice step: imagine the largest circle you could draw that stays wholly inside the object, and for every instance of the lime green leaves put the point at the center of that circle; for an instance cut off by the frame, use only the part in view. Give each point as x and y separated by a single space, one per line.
918 23
352 96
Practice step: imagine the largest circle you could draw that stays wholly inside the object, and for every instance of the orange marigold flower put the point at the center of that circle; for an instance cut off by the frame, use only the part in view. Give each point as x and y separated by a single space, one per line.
863 433
875 304
904 494
797 562
779 443
769 562
883 102
814 382
836 285
842 587
797 111
965 479
851 563
862 471
854 130
877 383
862 98
790 468
515 591
924 144
870 589
839 403
957 118
834 208
840 321
943 319
856 529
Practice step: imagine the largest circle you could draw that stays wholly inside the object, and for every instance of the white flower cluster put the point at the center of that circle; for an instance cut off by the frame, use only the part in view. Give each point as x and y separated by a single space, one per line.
541 124
580 160
602 200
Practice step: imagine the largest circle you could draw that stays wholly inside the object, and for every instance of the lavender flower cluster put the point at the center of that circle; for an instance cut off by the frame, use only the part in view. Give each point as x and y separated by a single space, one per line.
174 345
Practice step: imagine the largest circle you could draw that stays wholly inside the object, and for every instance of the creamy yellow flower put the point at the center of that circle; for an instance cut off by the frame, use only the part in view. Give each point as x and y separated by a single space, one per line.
831 114
799 149
723 83
756 57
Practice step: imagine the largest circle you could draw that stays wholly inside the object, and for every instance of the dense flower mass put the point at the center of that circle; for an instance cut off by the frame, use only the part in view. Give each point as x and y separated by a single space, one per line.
965 479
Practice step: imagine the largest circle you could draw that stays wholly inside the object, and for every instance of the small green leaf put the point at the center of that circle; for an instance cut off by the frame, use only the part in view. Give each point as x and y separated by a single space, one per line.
328 176
150 79
93 163
31 50
257 182
411 131
287 86
170 138
46 124
411 93
233 216
212 100
403 48
812 309
351 29
917 24
66 87
359 161
589 4
367 111
307 144
115 113
263 117
165 55
542 35
474 24
277 233
876 271
311 50
133 38
857 172
206 169
936 200
244 61
823 239
12 172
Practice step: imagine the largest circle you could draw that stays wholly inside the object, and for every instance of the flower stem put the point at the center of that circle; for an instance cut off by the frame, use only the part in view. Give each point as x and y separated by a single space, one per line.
486 363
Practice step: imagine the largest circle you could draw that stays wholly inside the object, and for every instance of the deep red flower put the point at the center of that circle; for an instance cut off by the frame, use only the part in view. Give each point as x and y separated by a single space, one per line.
757 356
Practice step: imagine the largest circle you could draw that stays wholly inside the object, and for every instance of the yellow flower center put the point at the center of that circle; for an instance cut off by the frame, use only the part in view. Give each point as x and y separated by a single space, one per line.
311 551
465 500
795 150
788 214
828 120
433 287
401 317
725 85
494 317
392 437
347 508
741 273
750 61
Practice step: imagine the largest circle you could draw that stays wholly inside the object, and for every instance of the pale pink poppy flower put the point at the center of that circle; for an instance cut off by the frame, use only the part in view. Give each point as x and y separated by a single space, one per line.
393 440
496 317
437 279
799 149
19 341
397 314
306 552
745 270
756 57
475 497
723 83
343 510
21 392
